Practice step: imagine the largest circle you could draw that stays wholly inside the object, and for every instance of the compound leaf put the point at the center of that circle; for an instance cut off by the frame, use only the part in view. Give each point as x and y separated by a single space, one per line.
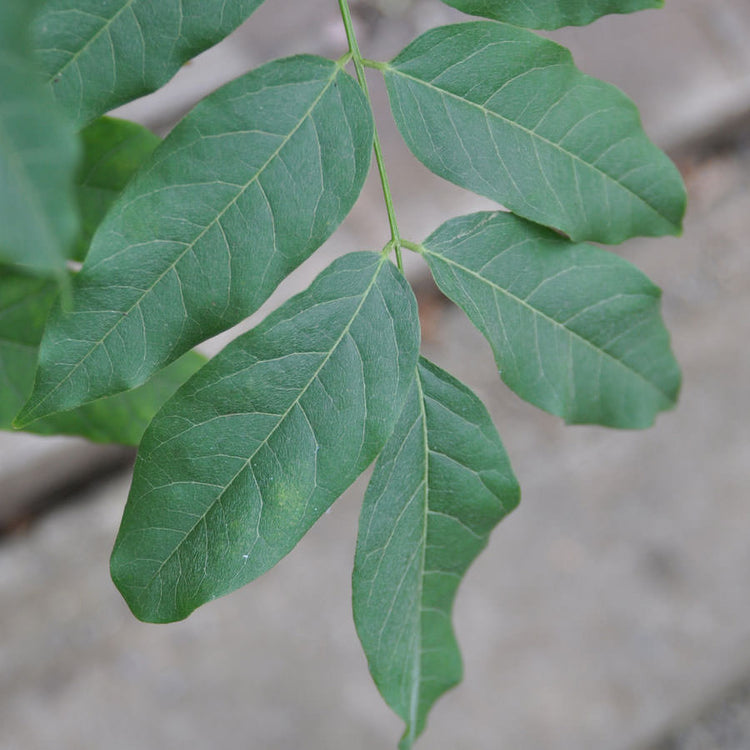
505 113
112 152
550 14
246 187
441 484
24 304
575 330
98 54
38 155
254 448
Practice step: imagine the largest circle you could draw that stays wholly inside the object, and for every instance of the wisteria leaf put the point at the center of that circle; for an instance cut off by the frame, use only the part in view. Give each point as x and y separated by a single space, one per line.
550 14
501 111
441 484
254 448
38 155
575 329
98 54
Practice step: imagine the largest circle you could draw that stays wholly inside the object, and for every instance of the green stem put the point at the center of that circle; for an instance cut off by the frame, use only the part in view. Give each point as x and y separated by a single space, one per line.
413 246
359 67
376 64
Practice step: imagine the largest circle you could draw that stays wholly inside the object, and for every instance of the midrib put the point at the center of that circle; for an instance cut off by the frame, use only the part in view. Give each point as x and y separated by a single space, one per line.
417 668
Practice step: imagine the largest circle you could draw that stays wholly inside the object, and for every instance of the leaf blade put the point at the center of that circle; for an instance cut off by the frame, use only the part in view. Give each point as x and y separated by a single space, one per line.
251 451
575 330
98 55
440 486
550 15
25 302
505 113
275 160
38 156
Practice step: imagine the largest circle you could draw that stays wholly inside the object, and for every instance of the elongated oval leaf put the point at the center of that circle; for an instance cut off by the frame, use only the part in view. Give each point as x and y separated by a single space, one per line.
505 113
38 155
112 152
550 14
253 449
98 54
24 304
441 484
575 330
249 184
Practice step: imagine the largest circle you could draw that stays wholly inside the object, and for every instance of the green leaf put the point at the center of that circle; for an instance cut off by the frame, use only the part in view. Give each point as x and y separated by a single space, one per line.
505 113
98 54
15 19
24 304
112 152
550 14
441 484
575 330
254 448
38 155
246 187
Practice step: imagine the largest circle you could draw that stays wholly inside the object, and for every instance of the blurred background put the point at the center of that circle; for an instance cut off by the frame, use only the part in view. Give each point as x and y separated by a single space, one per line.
611 611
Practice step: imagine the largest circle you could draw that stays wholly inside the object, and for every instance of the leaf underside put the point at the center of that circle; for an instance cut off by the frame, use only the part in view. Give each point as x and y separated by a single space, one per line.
575 329
246 187
441 484
502 112
25 302
38 155
550 14
254 448
98 54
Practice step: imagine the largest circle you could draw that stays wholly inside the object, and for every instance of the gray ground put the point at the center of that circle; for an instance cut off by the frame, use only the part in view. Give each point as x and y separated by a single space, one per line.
611 610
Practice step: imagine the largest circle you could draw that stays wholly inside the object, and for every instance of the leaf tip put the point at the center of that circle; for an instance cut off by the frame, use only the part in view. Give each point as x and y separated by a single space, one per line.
30 412
22 419
120 570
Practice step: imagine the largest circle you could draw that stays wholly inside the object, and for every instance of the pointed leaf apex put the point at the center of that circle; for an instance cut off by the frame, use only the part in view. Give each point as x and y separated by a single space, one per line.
23 418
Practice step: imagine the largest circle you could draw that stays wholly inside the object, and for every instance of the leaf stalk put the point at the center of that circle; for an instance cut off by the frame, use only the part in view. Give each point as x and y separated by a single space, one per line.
359 67
415 247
